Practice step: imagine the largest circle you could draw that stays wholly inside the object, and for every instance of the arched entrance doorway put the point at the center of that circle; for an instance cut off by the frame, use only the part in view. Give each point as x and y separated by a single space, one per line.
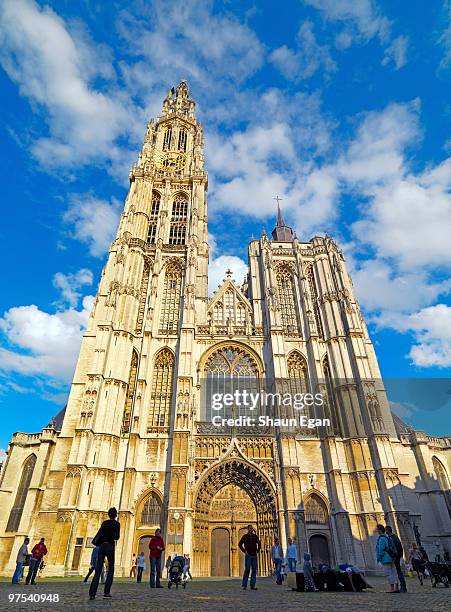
319 549
231 511
245 496
147 519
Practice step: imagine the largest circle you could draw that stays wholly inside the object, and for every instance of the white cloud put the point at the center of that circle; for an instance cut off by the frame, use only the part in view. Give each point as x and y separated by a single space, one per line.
69 284
2 455
93 221
43 344
55 69
218 267
445 37
308 58
363 20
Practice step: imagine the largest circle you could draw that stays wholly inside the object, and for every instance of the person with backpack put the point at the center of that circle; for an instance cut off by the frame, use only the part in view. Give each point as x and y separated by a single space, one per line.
397 545
385 553
105 539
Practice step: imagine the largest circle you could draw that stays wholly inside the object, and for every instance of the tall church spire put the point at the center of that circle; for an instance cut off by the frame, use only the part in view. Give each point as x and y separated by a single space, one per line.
281 232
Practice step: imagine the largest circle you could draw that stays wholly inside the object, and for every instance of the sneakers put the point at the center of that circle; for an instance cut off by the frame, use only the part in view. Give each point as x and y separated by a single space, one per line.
107 595
244 587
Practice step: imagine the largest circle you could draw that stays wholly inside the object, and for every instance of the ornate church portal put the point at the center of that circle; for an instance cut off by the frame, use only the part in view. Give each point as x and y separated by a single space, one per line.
138 432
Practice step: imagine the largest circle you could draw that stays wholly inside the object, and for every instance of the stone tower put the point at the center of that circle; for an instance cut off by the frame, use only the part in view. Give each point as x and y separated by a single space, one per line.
137 431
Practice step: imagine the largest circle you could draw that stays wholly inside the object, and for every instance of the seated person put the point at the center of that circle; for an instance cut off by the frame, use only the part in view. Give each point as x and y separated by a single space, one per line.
355 575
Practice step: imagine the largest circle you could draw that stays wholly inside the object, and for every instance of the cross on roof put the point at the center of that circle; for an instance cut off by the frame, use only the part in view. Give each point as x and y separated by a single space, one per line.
229 273
278 200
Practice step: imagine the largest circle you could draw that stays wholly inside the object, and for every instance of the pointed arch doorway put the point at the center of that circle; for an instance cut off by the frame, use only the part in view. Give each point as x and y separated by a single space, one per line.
229 497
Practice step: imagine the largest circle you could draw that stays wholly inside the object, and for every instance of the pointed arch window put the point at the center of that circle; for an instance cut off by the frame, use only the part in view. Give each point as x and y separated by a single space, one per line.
314 295
316 510
170 303
154 211
130 393
161 391
287 300
21 495
182 140
443 481
297 373
179 217
331 404
167 138
151 512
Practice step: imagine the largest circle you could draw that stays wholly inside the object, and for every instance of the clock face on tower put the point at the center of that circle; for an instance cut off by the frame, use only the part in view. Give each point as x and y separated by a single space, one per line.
172 161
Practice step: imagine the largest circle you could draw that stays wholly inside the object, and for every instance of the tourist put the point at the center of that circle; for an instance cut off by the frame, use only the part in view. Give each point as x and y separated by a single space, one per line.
37 554
355 575
133 567
250 546
309 582
384 557
141 566
105 539
277 559
93 565
187 566
417 562
156 547
21 558
292 555
168 566
397 545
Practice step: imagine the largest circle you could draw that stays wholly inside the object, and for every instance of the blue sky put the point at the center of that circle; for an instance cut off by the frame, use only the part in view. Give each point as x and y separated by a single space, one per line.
340 107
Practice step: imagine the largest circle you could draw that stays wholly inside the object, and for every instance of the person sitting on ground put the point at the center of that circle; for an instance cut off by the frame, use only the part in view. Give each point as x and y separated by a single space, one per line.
354 572
309 582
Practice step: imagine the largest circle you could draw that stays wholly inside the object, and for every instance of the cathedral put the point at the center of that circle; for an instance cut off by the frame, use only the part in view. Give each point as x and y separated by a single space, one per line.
137 431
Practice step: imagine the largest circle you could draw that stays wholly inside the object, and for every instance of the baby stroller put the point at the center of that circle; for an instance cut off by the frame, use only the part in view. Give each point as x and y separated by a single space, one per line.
176 572
439 572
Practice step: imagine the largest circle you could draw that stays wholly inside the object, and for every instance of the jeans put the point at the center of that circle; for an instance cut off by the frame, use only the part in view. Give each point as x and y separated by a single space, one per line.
140 574
250 563
106 550
155 571
278 567
291 564
186 571
18 572
401 579
33 570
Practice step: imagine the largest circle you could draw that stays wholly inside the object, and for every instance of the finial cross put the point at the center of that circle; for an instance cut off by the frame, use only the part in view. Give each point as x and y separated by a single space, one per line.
278 200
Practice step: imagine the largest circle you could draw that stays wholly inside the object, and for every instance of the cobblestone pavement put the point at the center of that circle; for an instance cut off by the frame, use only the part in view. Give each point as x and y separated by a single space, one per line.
226 594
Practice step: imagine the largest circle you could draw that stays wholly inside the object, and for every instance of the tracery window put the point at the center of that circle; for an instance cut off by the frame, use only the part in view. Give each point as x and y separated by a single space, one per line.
315 510
287 300
228 370
161 390
170 303
179 217
229 310
314 294
130 393
297 373
154 211
21 495
182 140
151 512
443 481
167 139
331 403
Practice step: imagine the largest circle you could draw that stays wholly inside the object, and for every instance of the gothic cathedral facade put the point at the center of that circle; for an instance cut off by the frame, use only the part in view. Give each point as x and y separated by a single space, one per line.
133 436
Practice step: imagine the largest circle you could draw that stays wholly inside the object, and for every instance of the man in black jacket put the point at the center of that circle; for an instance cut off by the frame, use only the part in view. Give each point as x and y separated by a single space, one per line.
105 538
250 546
399 555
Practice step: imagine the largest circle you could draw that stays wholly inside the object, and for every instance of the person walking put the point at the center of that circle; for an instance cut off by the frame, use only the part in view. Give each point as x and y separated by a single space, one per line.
156 547
38 551
21 558
187 566
309 582
277 559
105 539
397 546
384 557
140 565
168 566
133 567
250 546
417 562
292 555
93 565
